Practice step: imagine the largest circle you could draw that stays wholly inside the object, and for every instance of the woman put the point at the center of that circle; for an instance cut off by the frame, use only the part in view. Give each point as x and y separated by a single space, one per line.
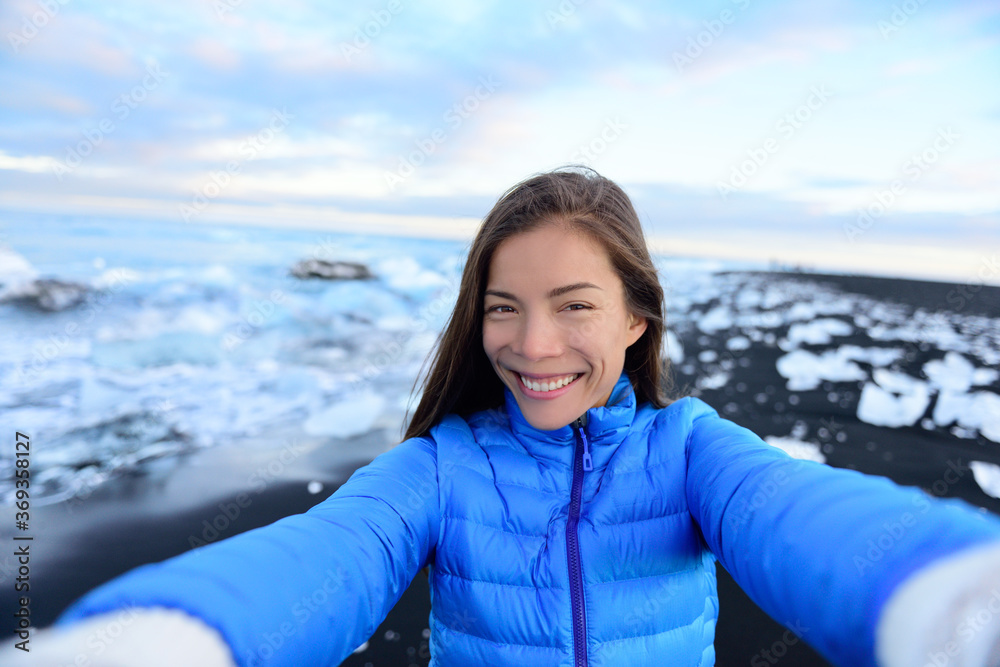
568 512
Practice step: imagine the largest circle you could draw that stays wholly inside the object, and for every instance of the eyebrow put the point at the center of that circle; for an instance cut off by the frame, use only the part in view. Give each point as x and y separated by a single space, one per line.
558 291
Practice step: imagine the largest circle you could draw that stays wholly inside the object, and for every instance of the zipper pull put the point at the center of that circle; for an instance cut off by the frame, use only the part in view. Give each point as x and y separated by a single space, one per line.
588 463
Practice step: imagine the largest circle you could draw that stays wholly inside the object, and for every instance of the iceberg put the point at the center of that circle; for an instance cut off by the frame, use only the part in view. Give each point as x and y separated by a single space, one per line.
350 417
321 268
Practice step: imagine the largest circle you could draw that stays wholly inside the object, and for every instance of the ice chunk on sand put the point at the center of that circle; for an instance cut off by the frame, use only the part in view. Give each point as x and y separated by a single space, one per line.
738 343
876 356
805 370
674 348
818 332
716 380
987 477
979 410
716 319
955 373
350 417
896 400
798 449
897 382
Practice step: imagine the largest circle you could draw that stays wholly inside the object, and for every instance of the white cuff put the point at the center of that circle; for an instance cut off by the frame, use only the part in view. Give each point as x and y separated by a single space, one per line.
945 615
135 637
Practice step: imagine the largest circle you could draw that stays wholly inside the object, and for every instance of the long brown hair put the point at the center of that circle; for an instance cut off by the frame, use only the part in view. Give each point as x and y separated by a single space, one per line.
461 379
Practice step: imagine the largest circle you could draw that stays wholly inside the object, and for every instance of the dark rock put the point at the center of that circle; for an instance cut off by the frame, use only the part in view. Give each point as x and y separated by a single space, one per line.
47 294
321 268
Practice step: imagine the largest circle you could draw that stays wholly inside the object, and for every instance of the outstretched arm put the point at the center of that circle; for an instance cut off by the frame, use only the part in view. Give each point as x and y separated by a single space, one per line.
310 588
818 548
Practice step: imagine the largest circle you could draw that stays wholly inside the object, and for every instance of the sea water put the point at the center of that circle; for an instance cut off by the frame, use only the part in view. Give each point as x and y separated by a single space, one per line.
188 336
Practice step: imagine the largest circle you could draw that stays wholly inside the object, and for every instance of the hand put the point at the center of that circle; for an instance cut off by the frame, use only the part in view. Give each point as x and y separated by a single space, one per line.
946 615
136 637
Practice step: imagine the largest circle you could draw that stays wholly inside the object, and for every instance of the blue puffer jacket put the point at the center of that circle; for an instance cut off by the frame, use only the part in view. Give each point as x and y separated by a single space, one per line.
590 545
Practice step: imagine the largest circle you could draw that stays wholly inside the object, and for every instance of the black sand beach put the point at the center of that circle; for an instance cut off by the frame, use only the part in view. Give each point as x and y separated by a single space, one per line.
170 505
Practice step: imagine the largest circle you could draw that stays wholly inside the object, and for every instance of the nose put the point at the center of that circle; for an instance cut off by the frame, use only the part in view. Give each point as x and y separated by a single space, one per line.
538 338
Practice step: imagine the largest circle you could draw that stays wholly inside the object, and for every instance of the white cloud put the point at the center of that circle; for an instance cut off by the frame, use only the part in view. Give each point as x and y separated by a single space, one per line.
34 164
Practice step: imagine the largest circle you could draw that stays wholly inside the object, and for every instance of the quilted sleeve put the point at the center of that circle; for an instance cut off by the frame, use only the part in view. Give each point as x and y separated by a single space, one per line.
818 548
310 588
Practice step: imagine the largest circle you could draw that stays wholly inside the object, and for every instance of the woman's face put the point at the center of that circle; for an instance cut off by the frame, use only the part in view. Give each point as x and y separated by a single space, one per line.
556 325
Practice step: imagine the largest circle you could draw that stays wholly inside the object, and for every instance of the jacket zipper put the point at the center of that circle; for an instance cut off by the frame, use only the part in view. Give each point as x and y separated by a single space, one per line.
581 461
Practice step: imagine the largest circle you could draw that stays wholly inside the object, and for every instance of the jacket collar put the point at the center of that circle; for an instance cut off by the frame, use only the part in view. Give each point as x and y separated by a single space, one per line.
605 425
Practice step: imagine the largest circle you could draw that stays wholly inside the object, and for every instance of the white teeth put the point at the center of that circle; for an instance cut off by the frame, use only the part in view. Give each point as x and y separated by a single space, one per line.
551 385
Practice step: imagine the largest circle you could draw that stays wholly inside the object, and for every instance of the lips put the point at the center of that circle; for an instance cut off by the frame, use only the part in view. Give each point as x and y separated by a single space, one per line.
549 383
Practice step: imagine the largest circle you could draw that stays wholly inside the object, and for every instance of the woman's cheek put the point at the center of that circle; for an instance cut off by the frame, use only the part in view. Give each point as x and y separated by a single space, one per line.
585 331
493 336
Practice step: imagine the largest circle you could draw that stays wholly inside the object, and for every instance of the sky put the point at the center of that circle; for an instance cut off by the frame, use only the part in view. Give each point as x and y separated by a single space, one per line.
834 135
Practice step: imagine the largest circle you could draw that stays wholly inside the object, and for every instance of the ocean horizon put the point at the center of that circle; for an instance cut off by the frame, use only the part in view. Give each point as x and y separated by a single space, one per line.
845 244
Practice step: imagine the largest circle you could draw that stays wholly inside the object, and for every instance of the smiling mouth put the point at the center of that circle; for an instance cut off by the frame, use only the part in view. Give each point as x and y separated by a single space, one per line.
551 384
